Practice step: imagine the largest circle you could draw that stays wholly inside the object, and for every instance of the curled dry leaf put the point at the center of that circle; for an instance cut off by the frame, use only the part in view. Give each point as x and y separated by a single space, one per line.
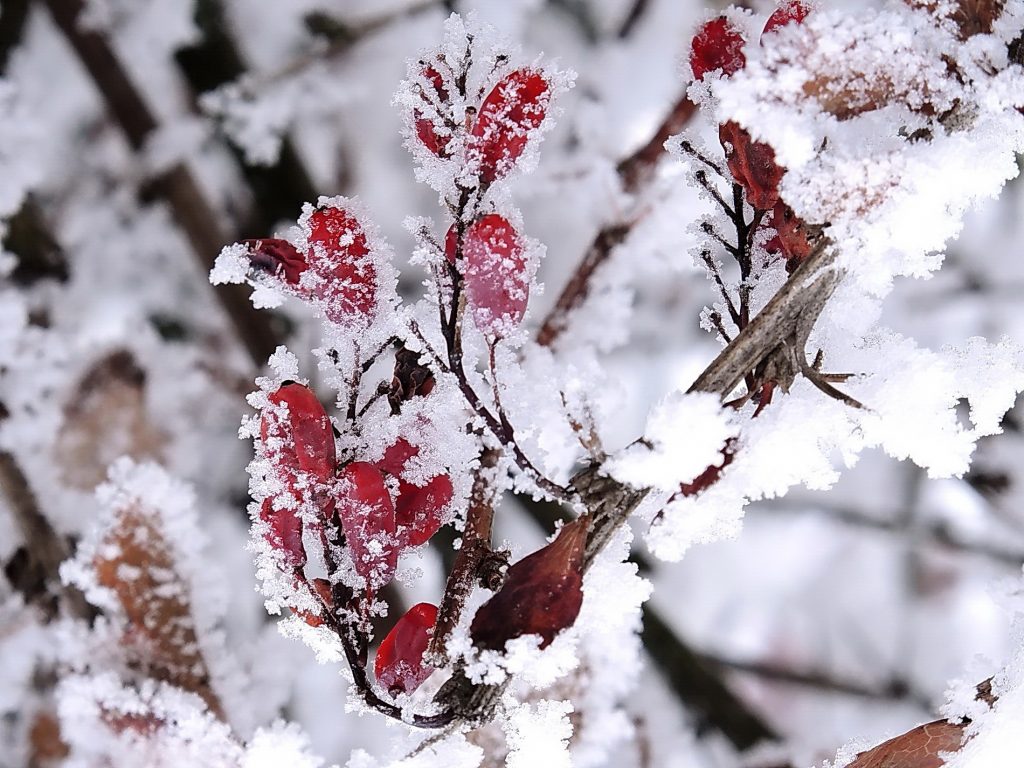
277 258
972 17
542 594
135 562
919 748
106 418
752 164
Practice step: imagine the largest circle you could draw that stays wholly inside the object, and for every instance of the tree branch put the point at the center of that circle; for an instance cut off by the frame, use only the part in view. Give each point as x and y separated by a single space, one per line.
178 186
634 172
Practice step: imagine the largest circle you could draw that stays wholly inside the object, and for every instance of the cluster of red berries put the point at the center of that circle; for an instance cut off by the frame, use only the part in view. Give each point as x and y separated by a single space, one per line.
718 46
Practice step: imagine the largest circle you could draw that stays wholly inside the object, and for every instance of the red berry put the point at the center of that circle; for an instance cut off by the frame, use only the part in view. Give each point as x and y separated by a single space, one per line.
307 437
284 534
418 508
339 255
399 663
497 285
790 12
510 113
368 521
541 596
718 44
426 127
277 257
752 164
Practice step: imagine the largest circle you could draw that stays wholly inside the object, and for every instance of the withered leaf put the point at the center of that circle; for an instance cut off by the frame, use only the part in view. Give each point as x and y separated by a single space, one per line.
106 418
541 596
135 562
918 748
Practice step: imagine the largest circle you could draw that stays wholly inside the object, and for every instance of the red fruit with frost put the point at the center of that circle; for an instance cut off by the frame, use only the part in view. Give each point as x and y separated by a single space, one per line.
322 590
419 509
368 521
399 665
284 534
494 272
427 128
752 164
790 12
276 257
340 256
509 115
718 45
542 594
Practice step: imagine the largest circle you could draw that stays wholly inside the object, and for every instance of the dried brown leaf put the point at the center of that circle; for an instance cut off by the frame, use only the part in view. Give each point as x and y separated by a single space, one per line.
106 418
135 562
918 748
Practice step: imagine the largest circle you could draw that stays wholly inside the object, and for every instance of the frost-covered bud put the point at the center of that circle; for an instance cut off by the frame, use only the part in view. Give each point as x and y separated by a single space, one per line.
541 596
276 257
752 164
430 128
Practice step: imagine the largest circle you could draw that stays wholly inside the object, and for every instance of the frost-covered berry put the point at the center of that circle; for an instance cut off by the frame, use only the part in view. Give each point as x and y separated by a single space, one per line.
367 517
340 257
419 509
399 663
496 279
790 12
430 129
509 115
718 45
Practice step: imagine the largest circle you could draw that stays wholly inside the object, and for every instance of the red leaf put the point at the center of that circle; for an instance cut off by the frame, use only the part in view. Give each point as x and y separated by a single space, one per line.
790 12
368 520
399 663
541 596
918 748
497 285
752 164
285 534
418 509
307 436
510 113
278 258
718 45
791 238
339 255
426 128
